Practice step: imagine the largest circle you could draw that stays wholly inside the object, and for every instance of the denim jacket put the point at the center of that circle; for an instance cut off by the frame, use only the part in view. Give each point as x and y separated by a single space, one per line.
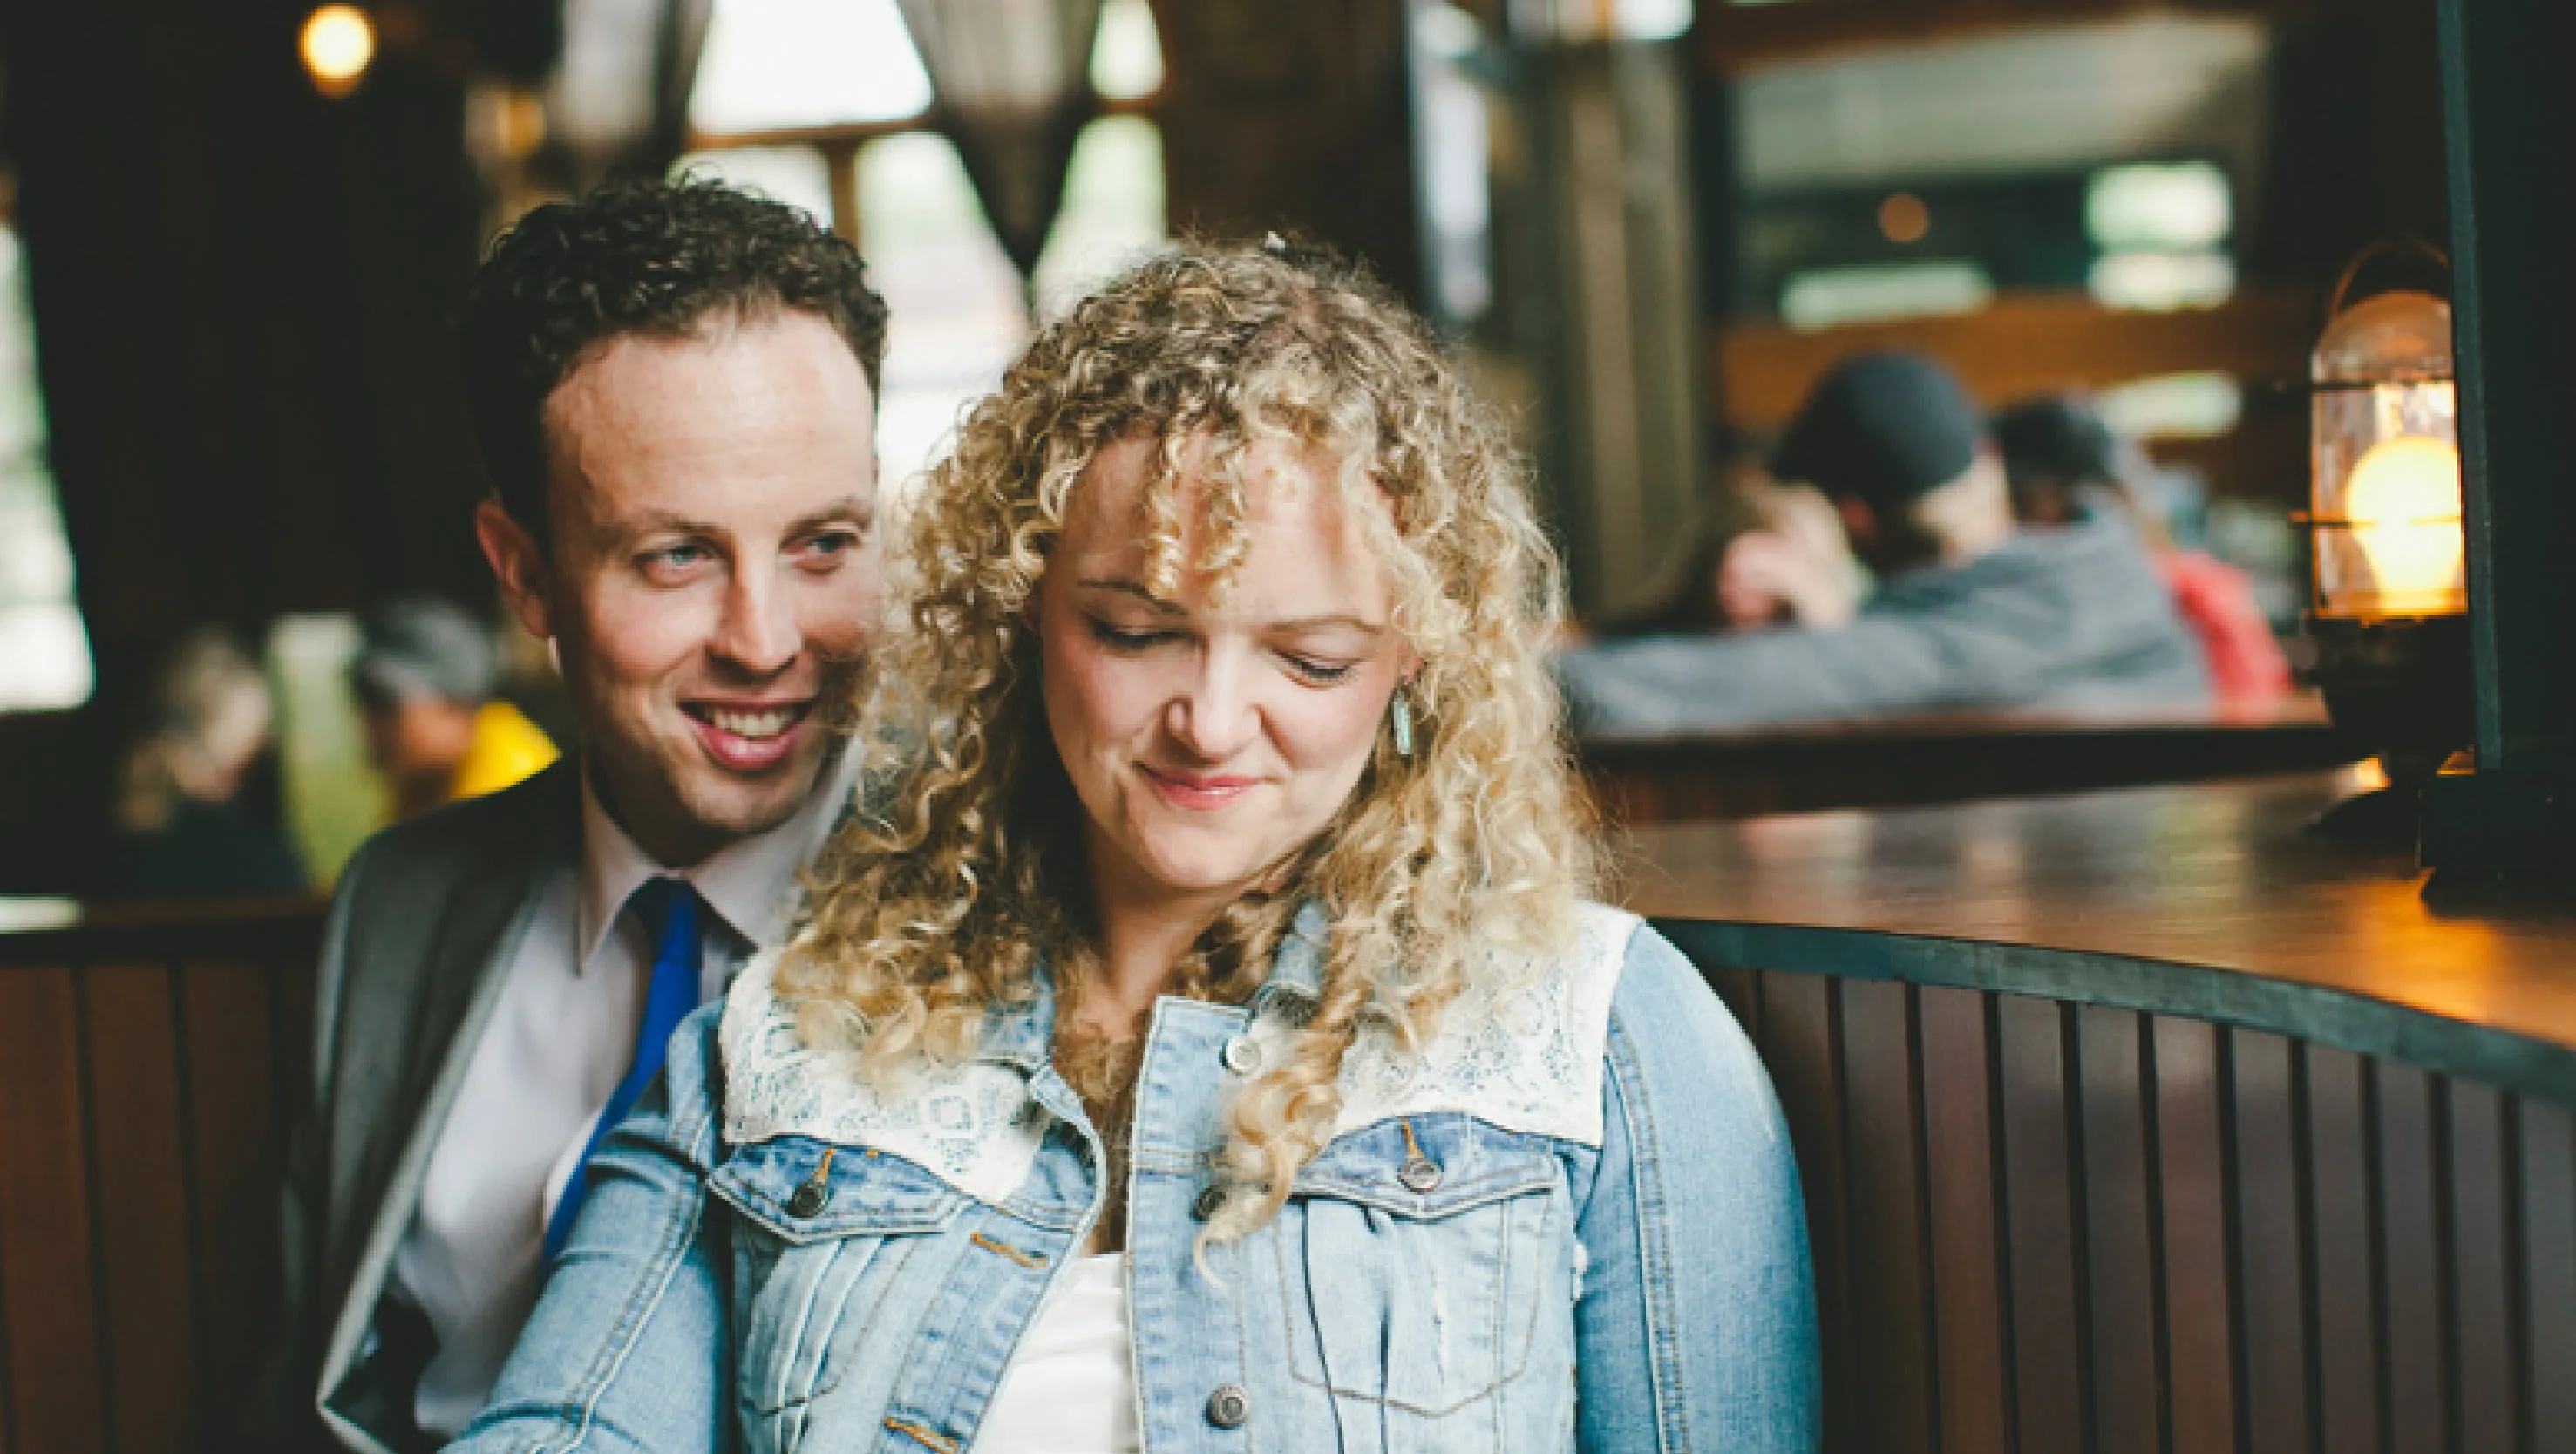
1572 1220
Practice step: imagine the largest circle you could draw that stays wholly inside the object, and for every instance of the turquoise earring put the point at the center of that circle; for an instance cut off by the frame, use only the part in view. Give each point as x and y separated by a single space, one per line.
1399 714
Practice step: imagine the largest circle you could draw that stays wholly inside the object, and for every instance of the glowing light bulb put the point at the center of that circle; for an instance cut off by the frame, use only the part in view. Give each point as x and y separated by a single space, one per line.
2403 500
338 44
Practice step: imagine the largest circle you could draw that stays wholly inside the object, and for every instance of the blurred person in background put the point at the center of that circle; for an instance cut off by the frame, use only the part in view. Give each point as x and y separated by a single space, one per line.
425 677
1970 610
183 826
1757 553
2067 466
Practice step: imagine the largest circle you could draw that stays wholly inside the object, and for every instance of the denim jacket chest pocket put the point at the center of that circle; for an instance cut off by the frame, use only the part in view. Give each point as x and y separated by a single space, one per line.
1424 1263
833 1246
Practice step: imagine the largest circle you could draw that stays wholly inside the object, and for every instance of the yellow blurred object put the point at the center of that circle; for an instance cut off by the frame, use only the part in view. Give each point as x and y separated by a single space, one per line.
2403 499
506 748
339 42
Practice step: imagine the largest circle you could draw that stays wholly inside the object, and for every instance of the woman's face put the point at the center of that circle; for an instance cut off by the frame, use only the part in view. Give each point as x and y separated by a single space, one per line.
1208 742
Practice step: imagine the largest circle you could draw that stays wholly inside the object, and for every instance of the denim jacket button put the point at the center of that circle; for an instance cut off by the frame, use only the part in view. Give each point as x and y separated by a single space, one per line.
1209 1199
808 1199
1242 1055
1420 1175
1229 1406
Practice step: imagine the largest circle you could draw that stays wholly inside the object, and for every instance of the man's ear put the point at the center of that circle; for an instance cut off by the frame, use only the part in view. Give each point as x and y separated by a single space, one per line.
519 564
1860 523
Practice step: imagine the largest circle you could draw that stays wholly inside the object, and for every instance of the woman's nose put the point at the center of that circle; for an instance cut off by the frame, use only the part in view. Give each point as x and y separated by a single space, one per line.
1213 717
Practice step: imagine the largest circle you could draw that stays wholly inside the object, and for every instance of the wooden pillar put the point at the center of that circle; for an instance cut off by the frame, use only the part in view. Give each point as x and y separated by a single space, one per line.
1292 118
1612 323
2510 130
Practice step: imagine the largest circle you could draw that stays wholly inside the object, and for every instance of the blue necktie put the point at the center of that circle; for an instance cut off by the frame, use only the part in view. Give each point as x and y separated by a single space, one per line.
672 994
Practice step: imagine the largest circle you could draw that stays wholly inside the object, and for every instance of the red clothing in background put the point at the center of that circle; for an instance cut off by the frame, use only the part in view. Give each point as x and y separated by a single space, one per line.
2245 661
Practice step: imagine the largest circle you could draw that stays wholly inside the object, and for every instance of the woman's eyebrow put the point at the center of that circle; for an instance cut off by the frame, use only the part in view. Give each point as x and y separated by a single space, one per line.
1131 588
1330 623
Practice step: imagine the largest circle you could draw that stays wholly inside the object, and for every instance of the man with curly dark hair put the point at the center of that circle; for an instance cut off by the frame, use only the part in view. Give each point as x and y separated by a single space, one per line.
674 387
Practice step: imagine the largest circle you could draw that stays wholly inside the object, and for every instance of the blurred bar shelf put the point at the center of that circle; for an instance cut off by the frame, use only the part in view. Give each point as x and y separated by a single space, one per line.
1658 777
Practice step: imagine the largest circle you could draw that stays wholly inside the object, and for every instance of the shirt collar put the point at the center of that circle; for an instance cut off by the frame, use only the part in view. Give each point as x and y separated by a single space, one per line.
751 883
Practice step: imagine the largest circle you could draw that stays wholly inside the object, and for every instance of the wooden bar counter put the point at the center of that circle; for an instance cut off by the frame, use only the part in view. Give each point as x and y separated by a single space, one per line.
1927 757
2146 1120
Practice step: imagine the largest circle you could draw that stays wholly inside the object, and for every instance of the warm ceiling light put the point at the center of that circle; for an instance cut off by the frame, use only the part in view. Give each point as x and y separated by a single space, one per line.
1904 218
339 41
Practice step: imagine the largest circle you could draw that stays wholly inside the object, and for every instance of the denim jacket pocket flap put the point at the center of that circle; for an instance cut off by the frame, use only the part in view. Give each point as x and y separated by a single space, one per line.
1428 1167
788 1187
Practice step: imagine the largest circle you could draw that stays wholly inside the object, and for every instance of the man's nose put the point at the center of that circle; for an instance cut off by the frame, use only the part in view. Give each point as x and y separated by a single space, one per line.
1214 716
758 631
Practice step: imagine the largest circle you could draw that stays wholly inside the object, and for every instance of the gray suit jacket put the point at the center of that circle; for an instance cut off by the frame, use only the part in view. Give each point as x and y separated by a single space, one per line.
425 921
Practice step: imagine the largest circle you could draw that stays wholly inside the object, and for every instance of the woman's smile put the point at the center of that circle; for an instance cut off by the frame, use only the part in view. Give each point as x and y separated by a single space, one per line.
1197 792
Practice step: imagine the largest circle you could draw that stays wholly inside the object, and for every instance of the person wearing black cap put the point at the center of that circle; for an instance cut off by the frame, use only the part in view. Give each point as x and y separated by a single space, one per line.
1971 612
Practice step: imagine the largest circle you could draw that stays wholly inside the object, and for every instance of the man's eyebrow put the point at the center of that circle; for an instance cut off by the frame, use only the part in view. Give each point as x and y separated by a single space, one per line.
858 508
1131 588
611 534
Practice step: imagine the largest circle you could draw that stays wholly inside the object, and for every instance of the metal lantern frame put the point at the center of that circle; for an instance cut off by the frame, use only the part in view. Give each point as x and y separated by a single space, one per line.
2426 399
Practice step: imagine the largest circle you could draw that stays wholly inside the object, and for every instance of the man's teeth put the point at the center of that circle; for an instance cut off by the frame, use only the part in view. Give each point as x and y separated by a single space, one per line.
754 725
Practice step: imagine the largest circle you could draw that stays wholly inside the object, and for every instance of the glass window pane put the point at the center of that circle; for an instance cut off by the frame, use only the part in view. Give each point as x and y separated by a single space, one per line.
796 175
44 648
1113 209
771 64
958 311
1127 57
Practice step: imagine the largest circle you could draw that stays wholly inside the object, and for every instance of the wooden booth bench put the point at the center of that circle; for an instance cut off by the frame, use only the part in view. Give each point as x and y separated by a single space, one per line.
2129 1121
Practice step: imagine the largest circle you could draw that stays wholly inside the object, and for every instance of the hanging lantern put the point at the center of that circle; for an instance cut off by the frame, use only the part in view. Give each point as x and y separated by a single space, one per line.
2388 606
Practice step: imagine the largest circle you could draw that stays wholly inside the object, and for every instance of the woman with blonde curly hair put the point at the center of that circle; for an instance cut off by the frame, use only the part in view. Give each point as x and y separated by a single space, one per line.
1201 1038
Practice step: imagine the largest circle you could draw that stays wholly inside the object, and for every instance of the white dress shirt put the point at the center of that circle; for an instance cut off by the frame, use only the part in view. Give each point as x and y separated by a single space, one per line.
561 1037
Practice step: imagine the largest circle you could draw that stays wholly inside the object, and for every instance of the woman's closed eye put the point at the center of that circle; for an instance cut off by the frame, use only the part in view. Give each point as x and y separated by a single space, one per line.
1125 638
1317 671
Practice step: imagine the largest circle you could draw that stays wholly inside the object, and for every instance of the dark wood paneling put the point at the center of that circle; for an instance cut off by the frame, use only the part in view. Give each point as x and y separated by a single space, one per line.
2191 1166
2340 1239
2413 1263
1939 757
2061 1225
1889 1289
2119 1234
1741 989
2271 1264
47 1266
2039 1196
2487 1359
1798 1044
2549 1277
237 1135
141 1173
1971 1341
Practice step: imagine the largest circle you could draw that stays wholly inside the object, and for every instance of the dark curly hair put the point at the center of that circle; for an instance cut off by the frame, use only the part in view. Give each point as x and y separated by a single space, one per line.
637 256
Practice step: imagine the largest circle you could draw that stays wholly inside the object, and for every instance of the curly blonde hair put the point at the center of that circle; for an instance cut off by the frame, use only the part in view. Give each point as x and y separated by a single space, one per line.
946 897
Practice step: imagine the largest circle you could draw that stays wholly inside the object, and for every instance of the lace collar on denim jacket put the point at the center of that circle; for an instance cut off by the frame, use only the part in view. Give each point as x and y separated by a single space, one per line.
1520 1048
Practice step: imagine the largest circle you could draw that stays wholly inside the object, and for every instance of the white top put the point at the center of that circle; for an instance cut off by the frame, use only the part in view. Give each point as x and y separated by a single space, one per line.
1070 1387
561 1037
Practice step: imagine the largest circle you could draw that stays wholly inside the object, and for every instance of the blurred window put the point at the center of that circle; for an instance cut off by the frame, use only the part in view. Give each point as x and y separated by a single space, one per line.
797 175
771 65
960 312
44 647
2104 157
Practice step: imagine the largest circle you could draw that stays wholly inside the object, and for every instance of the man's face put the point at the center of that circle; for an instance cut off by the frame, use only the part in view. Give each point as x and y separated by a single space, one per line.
713 574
